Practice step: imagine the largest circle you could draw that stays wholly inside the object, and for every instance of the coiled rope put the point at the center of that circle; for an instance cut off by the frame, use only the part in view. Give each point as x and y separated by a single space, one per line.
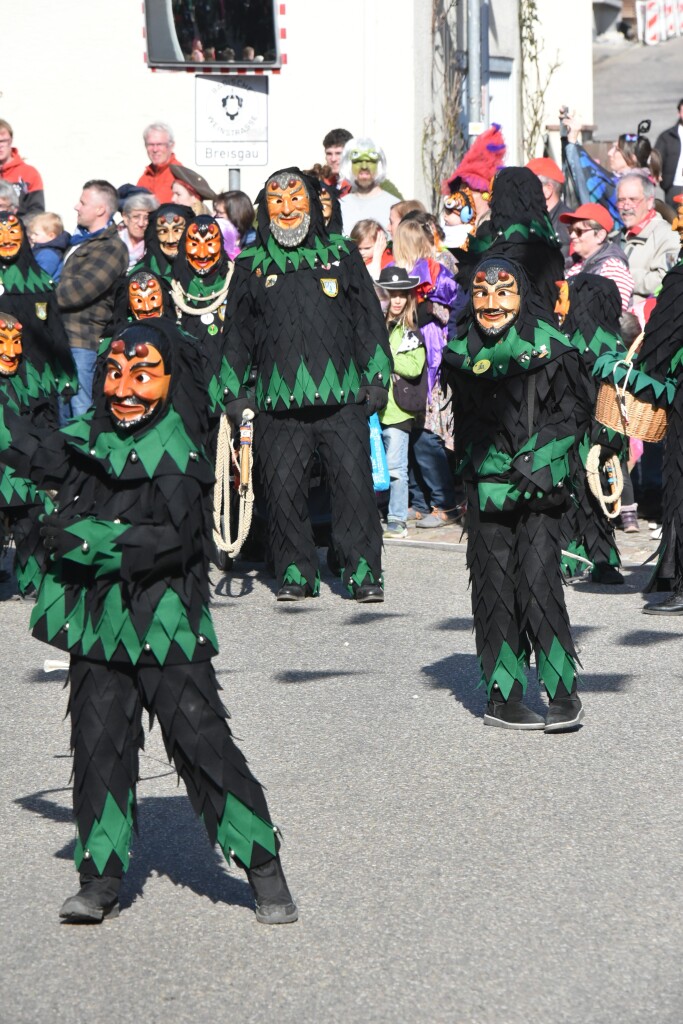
225 457
615 478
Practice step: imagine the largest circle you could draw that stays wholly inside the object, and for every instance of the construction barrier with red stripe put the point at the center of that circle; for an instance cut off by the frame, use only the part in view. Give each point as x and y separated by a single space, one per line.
658 20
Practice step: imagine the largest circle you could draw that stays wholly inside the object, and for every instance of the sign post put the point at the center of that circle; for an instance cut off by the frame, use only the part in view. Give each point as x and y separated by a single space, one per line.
231 121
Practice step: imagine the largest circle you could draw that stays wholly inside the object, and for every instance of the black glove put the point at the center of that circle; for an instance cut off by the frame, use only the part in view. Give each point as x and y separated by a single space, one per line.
425 314
235 410
56 541
373 398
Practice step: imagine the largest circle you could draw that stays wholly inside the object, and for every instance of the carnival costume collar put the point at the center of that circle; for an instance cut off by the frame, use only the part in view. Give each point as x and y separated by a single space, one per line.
321 253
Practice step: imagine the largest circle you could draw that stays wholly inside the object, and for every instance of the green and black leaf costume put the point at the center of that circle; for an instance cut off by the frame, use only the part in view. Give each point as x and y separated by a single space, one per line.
27 293
27 396
657 377
127 596
519 406
305 324
593 327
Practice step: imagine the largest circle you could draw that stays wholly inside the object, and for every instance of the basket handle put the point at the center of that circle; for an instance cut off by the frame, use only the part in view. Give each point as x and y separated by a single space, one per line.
635 345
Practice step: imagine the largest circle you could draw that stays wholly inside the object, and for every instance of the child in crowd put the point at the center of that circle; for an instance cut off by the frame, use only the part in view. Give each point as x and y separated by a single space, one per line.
432 486
371 239
409 358
49 242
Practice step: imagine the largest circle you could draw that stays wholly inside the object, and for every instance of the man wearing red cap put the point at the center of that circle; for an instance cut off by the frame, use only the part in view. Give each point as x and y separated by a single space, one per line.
552 180
589 226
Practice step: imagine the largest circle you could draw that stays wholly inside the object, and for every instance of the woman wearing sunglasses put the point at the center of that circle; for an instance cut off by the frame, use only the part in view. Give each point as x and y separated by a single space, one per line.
594 183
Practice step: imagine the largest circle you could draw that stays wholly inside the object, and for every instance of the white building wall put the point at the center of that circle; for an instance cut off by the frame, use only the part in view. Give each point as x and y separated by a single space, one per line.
567 34
78 93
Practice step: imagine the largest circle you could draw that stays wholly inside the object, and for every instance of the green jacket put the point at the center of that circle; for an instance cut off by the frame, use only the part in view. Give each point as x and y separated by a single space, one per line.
408 356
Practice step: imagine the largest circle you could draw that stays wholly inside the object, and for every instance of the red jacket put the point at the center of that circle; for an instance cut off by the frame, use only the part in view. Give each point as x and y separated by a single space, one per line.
159 179
27 181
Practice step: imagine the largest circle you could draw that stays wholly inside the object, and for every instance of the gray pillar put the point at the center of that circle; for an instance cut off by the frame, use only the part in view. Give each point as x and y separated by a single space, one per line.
473 69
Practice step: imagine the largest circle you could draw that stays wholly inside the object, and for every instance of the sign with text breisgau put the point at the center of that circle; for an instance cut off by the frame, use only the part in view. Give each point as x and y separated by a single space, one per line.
231 124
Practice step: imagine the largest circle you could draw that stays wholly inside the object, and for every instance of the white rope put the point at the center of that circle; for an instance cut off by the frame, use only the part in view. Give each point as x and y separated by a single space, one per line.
215 299
614 476
225 457
577 558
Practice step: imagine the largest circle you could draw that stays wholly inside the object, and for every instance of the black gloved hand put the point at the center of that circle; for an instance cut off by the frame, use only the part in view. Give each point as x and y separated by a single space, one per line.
372 398
56 541
235 410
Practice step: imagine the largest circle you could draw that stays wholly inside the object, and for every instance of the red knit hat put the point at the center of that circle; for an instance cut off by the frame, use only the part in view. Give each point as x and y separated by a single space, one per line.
480 163
544 167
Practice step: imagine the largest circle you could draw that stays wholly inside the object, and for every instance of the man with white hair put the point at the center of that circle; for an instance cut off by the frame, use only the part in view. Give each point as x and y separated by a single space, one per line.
85 294
649 244
157 176
365 166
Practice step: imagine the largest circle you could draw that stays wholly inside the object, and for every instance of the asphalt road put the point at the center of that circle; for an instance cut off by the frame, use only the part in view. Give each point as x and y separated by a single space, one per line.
632 82
445 872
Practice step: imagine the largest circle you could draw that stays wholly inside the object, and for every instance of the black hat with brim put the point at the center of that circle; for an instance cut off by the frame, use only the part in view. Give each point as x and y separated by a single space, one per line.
396 279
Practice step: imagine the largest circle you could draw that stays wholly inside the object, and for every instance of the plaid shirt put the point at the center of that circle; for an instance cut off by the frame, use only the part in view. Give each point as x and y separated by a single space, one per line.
85 293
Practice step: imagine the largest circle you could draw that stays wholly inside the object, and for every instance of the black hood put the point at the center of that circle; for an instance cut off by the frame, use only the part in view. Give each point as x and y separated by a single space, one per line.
594 302
317 227
152 247
122 312
182 359
183 272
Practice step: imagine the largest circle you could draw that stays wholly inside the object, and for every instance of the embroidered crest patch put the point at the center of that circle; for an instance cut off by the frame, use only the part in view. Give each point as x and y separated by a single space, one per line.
330 286
481 366
41 310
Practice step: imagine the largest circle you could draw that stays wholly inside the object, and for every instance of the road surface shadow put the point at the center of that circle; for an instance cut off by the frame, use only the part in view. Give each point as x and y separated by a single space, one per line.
302 676
171 841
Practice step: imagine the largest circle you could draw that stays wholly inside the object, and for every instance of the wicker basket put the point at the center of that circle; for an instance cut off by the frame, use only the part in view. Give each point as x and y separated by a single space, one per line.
621 411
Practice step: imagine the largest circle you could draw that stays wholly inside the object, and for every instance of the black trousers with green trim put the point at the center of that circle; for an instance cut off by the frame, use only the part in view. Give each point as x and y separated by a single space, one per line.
517 591
105 706
586 524
284 445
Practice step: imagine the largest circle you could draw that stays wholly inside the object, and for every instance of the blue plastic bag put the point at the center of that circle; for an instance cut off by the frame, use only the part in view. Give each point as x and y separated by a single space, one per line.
380 469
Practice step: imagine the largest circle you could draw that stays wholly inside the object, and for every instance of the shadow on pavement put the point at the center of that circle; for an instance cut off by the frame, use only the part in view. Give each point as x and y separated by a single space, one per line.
302 676
644 637
602 682
464 623
460 674
171 842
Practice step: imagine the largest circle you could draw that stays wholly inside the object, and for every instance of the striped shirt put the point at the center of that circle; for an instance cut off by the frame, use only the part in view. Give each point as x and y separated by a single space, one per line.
618 272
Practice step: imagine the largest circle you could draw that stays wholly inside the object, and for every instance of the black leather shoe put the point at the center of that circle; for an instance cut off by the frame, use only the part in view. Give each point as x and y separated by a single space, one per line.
368 593
292 592
564 714
511 713
274 903
606 574
97 899
672 606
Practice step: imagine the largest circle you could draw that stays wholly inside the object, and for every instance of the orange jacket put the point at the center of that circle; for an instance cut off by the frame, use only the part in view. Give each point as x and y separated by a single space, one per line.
159 180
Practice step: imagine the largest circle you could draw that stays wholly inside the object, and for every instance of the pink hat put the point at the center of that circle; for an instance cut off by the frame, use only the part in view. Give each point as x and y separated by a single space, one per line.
480 163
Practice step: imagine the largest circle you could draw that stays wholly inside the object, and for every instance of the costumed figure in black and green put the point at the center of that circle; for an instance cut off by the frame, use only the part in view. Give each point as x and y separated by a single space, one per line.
126 594
201 275
23 394
140 296
302 312
518 395
592 324
28 295
657 378
519 228
164 230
